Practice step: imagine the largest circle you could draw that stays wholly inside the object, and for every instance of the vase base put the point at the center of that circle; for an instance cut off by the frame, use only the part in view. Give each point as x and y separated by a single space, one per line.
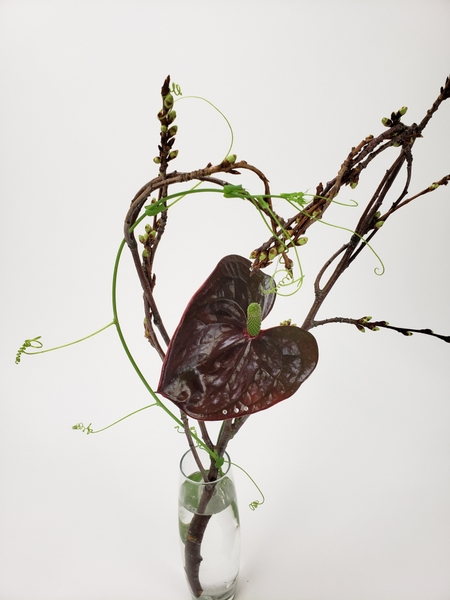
222 593
205 596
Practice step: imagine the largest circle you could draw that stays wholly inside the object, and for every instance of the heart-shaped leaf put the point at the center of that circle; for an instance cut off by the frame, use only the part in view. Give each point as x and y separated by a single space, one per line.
214 369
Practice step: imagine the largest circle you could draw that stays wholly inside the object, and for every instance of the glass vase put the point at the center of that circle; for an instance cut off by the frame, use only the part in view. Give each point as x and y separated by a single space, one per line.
208 520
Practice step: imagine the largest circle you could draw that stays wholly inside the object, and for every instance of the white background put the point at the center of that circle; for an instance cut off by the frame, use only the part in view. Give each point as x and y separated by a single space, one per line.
356 466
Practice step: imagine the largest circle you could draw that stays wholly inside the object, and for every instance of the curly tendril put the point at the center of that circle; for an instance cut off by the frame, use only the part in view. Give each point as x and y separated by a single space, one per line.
287 281
83 428
253 505
176 89
376 270
34 343
89 429
40 345
182 431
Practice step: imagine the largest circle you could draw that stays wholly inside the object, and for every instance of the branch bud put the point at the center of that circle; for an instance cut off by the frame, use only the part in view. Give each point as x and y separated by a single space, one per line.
171 116
288 323
168 101
273 253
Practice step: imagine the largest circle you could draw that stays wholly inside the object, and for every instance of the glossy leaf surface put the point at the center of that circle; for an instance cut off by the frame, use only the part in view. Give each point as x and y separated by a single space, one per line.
213 369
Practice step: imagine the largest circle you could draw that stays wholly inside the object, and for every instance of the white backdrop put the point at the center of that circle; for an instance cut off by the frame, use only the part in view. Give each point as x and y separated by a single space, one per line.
356 466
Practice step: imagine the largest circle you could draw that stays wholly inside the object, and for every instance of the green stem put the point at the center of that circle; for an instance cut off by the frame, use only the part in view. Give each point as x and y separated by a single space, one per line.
130 356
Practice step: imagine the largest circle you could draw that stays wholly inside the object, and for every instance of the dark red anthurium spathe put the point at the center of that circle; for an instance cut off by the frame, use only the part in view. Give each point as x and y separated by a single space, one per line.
213 369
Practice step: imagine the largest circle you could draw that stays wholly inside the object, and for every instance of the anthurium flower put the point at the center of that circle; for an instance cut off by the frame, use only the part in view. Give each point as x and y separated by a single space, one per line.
214 368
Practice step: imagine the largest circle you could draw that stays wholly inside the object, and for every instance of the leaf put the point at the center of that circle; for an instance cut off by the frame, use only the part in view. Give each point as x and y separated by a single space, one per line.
214 369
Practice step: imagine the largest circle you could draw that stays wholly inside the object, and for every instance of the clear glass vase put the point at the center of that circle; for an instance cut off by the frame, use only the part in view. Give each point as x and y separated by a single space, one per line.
208 520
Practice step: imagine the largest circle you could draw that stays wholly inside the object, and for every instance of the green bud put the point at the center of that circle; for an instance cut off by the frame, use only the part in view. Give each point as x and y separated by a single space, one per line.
273 253
157 160
433 186
171 116
173 154
262 256
168 101
231 158
403 110
353 184
386 122
161 115
375 328
148 228
377 214
253 319
143 238
164 128
301 241
173 130
379 224
408 333
396 144
145 253
253 254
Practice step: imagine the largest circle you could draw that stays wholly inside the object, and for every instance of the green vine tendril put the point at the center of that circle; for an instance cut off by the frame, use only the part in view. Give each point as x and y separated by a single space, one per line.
28 344
192 429
253 505
216 109
89 429
34 343
176 89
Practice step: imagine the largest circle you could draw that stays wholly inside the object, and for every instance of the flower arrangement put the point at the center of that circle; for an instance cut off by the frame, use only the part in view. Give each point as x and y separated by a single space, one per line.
220 364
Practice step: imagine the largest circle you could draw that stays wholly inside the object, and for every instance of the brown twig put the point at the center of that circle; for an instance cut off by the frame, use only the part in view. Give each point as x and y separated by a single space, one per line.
364 323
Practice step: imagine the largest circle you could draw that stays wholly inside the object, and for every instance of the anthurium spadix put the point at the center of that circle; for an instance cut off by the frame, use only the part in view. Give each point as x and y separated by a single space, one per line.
220 364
